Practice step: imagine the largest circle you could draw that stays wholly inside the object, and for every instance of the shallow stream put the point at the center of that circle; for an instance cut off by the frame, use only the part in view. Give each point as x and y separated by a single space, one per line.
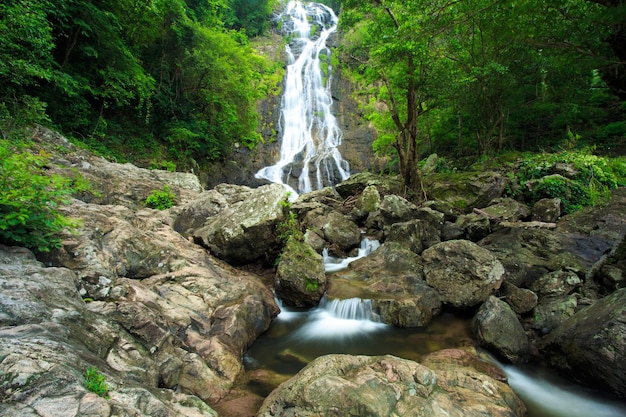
297 337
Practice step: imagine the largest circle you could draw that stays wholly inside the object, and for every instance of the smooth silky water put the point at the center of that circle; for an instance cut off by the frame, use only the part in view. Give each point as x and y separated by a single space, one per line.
297 336
309 155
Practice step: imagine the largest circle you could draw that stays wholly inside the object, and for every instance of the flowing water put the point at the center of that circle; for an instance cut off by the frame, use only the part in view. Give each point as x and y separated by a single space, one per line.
298 336
309 158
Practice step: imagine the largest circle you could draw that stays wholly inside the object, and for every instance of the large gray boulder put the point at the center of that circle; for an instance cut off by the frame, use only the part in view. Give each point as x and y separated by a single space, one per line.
392 278
188 320
496 326
422 232
591 345
382 386
529 253
49 337
462 272
300 277
358 182
339 233
245 231
465 190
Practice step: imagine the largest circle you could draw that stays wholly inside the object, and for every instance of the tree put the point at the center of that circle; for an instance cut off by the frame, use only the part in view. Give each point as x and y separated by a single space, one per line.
516 74
400 57
613 15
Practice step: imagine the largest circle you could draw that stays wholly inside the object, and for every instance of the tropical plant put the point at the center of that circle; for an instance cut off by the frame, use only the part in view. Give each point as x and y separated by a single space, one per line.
161 199
95 381
30 199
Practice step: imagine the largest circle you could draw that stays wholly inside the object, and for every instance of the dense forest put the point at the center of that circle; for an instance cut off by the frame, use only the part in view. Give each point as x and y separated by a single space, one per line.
175 82
172 79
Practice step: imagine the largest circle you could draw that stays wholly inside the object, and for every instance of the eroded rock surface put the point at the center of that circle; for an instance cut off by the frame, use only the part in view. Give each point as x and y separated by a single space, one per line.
591 344
464 273
344 385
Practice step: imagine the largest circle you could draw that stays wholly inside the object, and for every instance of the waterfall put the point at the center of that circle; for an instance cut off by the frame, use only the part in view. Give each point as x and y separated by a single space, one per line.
332 264
349 309
337 319
309 158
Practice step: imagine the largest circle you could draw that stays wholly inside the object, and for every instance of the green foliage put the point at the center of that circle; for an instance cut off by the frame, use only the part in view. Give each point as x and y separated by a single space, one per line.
163 165
18 114
161 199
311 285
137 79
590 177
290 226
572 194
29 201
482 77
95 382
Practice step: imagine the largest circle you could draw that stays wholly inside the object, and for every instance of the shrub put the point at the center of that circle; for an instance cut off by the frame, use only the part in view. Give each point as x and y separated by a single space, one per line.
94 382
593 177
161 199
573 196
29 201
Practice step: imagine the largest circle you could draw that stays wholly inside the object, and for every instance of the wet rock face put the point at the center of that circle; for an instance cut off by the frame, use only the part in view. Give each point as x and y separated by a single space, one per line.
300 277
464 273
590 344
344 385
497 327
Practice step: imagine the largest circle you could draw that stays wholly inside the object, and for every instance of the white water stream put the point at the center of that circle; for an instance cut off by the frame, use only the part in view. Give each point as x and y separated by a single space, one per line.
309 158
332 264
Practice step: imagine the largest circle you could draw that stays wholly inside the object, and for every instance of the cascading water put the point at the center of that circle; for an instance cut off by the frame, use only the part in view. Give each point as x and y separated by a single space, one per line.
309 158
332 264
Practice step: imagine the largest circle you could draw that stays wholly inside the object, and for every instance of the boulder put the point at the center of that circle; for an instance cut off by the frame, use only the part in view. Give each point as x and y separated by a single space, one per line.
50 336
473 226
245 231
358 182
506 209
590 344
529 253
430 164
443 207
496 326
462 272
43 374
191 216
344 385
339 232
550 312
300 277
546 210
418 234
391 277
395 209
521 300
369 200
190 318
465 190
556 283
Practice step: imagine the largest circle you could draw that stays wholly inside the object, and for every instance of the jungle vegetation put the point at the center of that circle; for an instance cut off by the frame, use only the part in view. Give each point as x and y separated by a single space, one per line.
174 84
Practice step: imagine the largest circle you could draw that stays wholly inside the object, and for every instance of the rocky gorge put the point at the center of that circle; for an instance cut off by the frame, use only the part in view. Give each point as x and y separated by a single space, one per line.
166 303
